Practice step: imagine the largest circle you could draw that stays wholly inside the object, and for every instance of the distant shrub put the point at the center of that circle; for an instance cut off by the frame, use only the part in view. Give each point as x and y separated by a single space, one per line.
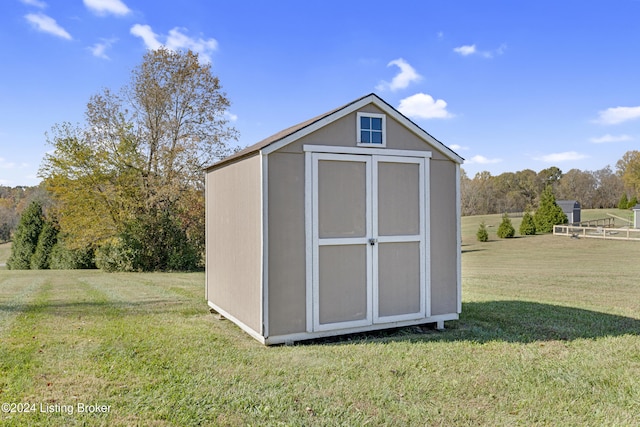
548 213
115 256
151 242
624 202
506 230
26 236
5 232
632 202
63 258
528 225
482 234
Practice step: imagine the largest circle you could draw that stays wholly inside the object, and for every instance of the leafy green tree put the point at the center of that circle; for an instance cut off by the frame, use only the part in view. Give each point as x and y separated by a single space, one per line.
482 234
46 241
548 213
550 177
629 169
140 157
632 202
528 225
624 202
506 230
26 237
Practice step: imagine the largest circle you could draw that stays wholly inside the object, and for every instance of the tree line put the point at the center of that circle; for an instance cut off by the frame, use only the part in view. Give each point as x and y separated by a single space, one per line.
521 191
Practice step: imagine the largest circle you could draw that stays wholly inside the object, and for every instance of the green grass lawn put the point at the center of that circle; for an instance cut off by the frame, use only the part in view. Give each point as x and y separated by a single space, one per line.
549 335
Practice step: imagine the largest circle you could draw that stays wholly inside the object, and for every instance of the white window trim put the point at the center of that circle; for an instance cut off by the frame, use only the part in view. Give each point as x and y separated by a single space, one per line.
384 130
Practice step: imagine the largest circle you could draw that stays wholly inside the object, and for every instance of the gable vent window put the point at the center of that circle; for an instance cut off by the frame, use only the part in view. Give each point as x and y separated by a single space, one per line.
371 130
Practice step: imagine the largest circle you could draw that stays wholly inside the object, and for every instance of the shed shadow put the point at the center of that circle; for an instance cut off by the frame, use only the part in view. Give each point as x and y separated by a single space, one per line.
508 321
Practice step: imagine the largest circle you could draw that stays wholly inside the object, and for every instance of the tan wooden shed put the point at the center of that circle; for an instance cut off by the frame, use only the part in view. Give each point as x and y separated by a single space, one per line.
345 223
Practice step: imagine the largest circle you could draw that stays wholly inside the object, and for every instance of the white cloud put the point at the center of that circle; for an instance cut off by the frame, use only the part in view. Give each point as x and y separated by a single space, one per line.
104 7
482 160
46 24
561 157
616 115
147 35
404 78
611 138
465 50
423 106
176 40
456 147
99 49
36 3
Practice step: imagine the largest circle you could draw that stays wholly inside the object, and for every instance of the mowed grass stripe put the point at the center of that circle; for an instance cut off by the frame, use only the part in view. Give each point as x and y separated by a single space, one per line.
17 290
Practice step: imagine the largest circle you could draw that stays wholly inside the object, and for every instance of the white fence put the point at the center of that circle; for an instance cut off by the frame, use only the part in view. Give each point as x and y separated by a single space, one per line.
597 232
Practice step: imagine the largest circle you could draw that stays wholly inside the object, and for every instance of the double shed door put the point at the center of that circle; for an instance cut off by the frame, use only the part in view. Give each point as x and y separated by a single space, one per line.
368 240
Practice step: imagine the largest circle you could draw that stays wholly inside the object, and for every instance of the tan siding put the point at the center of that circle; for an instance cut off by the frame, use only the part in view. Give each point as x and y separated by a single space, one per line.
342 133
343 283
342 199
287 288
399 278
443 238
399 199
234 218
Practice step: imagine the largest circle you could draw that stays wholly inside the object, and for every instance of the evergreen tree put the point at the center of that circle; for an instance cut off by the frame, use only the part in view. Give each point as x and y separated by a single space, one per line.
624 202
26 237
528 225
632 202
506 230
48 238
5 232
548 213
482 234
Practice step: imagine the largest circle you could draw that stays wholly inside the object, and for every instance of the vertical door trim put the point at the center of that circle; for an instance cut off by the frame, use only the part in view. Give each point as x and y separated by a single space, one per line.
308 229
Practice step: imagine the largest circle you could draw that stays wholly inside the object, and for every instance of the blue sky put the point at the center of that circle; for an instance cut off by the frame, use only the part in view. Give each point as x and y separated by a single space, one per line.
509 85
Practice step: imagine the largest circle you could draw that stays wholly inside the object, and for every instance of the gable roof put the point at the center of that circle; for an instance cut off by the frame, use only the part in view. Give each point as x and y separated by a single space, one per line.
568 205
295 132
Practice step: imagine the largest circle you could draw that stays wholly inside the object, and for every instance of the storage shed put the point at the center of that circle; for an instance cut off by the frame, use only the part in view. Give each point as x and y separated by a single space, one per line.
571 209
344 223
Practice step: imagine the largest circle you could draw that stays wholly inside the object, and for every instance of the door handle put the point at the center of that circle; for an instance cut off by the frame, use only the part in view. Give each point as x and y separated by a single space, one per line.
372 242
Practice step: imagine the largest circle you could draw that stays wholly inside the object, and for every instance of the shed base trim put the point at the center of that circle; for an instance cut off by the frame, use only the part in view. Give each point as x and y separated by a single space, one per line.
282 339
235 320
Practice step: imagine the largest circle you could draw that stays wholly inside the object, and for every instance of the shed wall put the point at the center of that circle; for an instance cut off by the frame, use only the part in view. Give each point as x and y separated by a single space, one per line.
234 240
286 221
443 231
286 236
